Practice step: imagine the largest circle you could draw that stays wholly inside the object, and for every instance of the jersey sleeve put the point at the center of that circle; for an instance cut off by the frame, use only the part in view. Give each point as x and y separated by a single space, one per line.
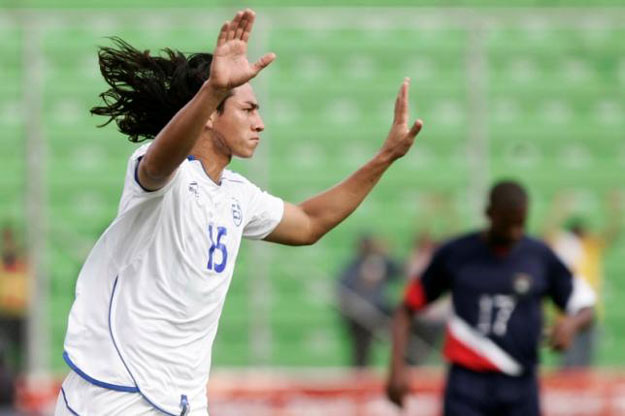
583 296
570 293
436 280
133 191
264 213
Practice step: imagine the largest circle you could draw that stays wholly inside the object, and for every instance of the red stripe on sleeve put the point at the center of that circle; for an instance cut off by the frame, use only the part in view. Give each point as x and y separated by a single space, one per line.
414 297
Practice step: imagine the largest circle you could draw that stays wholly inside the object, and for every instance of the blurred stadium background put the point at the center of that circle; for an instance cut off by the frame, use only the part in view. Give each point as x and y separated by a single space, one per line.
533 91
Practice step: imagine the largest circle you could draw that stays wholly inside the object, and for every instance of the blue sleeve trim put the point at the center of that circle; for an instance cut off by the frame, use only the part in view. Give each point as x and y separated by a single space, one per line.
72 411
137 177
96 382
191 158
122 358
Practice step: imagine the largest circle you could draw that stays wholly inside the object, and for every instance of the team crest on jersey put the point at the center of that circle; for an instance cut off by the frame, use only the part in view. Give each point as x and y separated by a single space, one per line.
522 283
237 213
193 188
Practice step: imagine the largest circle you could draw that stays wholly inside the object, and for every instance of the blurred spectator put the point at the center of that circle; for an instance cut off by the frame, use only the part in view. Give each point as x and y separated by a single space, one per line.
7 386
428 327
13 288
582 250
362 296
13 284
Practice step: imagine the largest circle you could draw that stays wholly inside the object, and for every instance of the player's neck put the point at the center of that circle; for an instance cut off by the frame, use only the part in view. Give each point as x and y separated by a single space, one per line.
497 245
214 160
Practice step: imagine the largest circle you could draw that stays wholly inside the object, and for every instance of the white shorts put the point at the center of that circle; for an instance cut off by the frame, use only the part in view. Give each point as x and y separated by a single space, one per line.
78 397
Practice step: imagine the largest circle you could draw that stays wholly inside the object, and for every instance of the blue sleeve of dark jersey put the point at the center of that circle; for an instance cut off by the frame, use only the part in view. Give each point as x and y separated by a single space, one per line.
560 280
436 279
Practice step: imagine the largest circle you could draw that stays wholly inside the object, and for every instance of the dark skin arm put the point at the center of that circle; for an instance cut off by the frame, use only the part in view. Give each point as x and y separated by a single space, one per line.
564 330
398 385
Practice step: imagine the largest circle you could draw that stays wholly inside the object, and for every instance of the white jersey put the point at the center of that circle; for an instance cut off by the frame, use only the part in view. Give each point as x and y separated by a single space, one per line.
150 294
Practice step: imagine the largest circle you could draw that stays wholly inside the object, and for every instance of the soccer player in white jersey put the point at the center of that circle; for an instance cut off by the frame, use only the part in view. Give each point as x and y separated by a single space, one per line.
149 296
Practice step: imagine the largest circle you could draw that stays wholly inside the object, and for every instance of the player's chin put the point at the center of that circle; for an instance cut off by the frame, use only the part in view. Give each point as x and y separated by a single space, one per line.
246 153
249 150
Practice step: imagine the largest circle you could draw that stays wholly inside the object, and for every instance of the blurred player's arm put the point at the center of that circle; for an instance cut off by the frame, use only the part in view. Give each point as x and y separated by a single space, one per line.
229 69
419 293
563 332
398 383
309 221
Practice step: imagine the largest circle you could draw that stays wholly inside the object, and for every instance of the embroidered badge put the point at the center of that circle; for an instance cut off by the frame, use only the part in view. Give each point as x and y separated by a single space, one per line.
237 213
522 283
193 188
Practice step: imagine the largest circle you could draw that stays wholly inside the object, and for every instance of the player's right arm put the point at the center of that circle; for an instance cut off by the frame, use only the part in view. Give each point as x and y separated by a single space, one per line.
398 384
420 292
229 69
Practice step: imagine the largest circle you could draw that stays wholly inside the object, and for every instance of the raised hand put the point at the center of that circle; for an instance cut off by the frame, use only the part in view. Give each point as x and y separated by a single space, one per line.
230 67
401 137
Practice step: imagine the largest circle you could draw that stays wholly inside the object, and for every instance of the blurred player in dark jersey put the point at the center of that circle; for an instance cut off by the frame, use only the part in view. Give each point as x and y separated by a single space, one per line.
498 278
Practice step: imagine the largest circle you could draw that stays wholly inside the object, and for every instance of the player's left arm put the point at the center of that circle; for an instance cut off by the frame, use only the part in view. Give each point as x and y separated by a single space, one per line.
573 295
563 332
307 222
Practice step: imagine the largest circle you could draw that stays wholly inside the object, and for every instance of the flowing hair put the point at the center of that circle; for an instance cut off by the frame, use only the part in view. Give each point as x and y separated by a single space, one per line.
147 91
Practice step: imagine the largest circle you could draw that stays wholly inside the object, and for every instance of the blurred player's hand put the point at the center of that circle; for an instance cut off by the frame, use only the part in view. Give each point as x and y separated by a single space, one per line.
397 387
230 67
562 334
401 137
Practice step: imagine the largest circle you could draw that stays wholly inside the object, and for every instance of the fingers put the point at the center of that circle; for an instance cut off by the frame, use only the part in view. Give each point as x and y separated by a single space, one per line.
396 392
239 30
401 109
396 397
232 28
398 400
263 62
223 33
557 345
401 103
416 128
556 340
241 26
249 23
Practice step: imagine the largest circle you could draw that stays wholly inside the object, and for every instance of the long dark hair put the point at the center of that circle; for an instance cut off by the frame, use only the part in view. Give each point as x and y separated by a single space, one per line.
147 91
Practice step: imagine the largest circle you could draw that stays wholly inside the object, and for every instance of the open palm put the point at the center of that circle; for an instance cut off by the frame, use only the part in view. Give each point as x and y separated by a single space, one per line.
230 67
